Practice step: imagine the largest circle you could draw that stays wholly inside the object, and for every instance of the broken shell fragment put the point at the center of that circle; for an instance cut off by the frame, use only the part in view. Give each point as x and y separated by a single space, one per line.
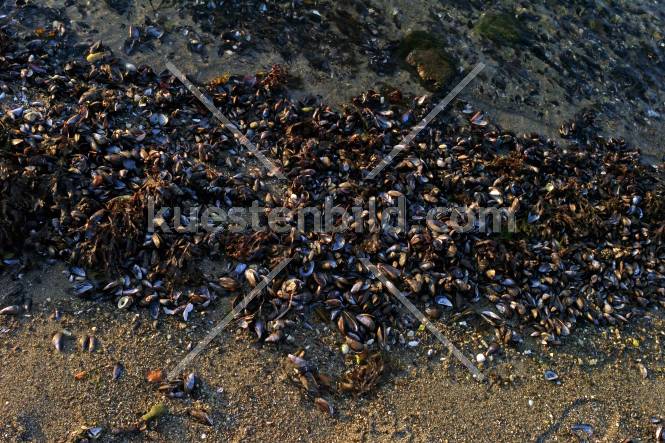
10 310
84 342
324 405
125 302
118 370
201 416
189 383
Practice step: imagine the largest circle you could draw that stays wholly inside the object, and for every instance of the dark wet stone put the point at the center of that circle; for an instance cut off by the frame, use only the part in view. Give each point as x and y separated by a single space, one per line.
417 40
501 28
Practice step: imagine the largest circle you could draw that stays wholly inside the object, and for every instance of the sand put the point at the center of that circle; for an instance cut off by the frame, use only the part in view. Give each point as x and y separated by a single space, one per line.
247 390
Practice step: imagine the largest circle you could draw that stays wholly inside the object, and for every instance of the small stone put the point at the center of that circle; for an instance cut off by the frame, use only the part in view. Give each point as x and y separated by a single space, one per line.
480 358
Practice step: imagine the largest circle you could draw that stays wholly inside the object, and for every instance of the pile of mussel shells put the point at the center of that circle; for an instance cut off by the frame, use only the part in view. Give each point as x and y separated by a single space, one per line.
89 142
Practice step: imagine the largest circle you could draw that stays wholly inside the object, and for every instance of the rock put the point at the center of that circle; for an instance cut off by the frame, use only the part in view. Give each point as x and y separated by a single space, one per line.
501 28
426 54
433 68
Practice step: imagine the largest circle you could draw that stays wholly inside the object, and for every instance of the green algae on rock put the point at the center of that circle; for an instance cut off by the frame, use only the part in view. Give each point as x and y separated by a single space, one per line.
426 54
501 28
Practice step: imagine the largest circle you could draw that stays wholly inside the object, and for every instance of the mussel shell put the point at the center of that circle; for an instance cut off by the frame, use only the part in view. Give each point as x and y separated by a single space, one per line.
125 302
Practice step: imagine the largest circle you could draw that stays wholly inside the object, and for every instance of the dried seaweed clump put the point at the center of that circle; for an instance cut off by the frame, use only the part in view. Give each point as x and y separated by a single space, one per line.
363 378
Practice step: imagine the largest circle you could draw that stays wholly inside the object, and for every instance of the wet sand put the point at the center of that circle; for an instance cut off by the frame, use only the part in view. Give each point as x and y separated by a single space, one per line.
247 391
